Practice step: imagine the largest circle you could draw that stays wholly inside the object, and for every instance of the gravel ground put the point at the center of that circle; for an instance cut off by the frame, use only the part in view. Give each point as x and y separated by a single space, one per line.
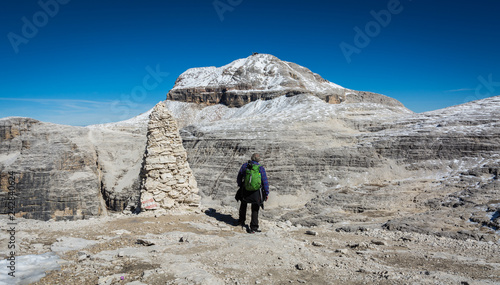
204 246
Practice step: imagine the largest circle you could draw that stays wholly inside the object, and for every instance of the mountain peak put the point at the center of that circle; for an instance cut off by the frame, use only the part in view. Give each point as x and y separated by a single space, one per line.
259 76
258 72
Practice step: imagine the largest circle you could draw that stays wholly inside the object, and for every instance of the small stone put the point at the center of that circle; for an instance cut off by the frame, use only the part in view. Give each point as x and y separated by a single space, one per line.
160 212
38 246
299 266
145 242
174 194
168 203
316 243
378 242
406 238
121 254
165 176
121 232
312 233
301 281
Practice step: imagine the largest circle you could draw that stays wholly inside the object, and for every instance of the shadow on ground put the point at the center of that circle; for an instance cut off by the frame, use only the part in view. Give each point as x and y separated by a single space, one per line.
228 219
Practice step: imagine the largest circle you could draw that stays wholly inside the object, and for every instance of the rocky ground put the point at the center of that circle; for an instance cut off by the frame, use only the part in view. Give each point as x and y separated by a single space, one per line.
203 246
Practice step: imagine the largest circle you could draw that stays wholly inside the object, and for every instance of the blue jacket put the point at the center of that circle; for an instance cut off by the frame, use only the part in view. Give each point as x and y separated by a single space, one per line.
241 176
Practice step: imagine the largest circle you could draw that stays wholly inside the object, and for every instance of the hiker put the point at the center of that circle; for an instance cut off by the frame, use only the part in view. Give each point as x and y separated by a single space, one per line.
251 190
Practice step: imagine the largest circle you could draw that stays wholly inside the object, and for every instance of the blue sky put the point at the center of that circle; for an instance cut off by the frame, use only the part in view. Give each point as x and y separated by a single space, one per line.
83 62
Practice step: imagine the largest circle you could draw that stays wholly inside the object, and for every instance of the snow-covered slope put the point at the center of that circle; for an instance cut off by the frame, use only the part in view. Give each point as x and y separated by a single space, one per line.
137 124
261 71
262 76
275 114
307 108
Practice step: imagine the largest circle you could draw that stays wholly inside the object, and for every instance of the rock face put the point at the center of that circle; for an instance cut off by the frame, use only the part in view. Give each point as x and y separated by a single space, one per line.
168 180
358 162
65 172
262 76
120 149
55 170
307 144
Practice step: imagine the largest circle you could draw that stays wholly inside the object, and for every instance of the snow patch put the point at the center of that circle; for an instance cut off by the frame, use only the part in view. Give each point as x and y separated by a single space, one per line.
137 121
29 268
8 159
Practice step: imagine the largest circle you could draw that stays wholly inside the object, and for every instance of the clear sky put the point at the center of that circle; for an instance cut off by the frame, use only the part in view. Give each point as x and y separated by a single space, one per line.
82 62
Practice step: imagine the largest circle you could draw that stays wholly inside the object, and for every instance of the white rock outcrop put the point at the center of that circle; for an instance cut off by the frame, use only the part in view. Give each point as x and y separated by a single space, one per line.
263 76
167 178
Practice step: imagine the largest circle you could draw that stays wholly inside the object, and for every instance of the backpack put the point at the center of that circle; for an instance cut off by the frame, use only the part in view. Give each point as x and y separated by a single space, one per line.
252 181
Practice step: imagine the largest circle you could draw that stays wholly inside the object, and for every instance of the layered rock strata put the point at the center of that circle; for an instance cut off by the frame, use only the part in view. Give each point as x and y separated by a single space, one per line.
65 172
265 77
54 167
356 163
168 179
120 154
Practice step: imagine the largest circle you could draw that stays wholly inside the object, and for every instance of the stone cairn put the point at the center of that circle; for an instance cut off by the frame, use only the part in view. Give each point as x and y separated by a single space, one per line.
168 181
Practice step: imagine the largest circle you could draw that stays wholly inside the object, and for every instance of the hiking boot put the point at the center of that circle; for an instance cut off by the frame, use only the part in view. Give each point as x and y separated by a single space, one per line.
254 231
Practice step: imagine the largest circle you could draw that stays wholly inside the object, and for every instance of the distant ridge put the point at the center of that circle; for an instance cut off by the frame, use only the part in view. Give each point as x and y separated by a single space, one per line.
262 76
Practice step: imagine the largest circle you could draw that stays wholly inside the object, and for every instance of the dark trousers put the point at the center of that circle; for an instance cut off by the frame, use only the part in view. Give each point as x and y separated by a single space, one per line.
254 223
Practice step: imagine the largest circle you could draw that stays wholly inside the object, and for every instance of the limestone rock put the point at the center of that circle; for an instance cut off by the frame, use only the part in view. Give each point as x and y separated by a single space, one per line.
262 76
55 170
165 154
329 163
65 172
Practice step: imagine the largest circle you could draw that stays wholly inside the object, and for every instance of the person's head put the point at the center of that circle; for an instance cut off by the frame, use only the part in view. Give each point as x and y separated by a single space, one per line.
255 157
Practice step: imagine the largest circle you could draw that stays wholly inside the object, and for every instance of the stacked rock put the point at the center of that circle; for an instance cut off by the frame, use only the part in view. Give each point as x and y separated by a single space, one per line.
168 180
